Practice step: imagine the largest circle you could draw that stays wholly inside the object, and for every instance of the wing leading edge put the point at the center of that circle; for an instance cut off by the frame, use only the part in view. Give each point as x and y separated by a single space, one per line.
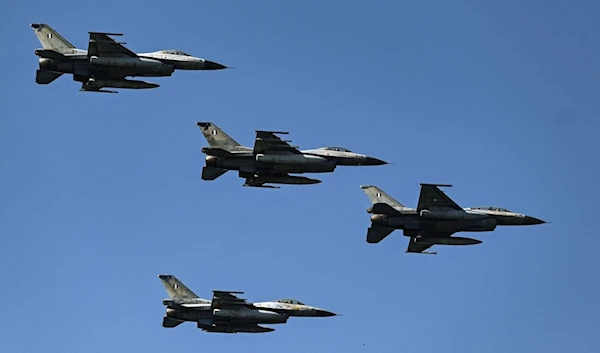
432 198
419 247
427 239
101 45
269 142
227 299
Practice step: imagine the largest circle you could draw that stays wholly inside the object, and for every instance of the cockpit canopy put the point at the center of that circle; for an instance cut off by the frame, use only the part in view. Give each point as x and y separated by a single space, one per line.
175 52
339 149
489 208
290 301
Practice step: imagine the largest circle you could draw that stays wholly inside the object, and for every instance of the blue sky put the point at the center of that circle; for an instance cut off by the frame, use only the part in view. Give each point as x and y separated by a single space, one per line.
101 193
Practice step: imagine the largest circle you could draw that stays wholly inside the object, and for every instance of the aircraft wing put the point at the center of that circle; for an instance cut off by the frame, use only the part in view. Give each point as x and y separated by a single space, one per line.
420 246
432 198
101 45
415 247
223 299
268 142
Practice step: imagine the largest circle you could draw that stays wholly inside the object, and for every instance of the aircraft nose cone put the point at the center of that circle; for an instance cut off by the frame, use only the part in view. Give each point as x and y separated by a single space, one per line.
374 161
532 220
325 313
211 65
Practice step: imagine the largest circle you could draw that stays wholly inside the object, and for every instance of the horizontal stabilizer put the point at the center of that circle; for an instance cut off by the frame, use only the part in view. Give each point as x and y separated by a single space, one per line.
44 77
216 151
212 173
50 54
169 322
377 234
383 208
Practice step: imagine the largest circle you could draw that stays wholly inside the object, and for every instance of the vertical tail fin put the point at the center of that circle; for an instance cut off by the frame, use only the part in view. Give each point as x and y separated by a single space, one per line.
215 136
50 39
175 288
376 195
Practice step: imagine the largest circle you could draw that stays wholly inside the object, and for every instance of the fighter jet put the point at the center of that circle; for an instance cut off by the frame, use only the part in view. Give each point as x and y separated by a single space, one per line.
107 63
272 158
435 219
226 312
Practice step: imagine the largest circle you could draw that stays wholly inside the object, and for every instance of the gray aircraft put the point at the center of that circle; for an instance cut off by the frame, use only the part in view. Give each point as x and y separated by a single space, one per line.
107 63
272 158
227 313
435 219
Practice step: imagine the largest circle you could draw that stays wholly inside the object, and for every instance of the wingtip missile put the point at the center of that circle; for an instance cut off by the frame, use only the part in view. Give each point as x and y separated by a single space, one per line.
227 291
272 132
107 33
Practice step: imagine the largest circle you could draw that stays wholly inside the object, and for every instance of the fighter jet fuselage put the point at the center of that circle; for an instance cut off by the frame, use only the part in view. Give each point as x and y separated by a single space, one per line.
227 313
262 167
272 159
240 319
435 219
465 221
270 168
107 63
